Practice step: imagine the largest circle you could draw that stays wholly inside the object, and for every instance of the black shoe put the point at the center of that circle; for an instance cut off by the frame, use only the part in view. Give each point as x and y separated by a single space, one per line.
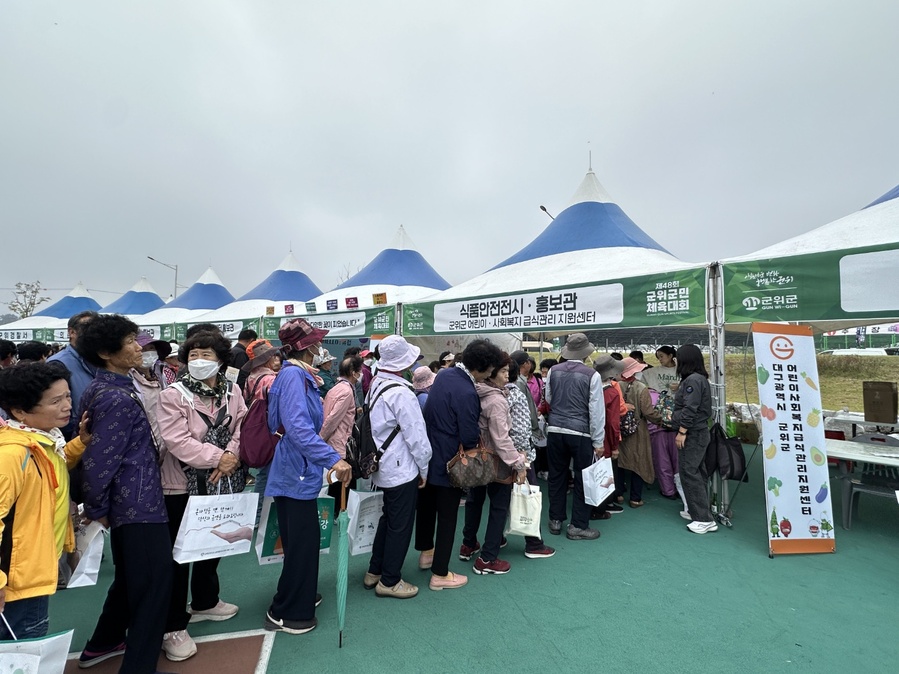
614 508
673 497
289 626
600 515
318 600
555 527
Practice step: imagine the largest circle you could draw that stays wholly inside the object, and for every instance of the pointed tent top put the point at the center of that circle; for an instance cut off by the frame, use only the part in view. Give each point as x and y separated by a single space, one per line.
285 284
207 293
892 194
76 301
143 286
141 299
289 263
591 222
401 240
398 268
590 189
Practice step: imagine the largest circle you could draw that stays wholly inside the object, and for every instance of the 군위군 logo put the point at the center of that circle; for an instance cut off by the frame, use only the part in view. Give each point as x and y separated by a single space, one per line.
751 302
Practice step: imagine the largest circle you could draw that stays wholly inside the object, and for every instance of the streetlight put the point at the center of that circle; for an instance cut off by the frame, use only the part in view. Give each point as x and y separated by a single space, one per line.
170 266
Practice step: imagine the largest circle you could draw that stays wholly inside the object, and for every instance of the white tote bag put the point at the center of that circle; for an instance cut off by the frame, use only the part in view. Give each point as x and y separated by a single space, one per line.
89 552
599 481
36 656
525 509
216 526
364 510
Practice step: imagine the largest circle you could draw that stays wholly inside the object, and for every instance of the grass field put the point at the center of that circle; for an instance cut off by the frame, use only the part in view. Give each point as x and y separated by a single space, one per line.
840 377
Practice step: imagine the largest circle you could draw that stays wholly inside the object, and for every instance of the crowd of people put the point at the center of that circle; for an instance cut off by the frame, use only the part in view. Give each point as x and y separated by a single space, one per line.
122 429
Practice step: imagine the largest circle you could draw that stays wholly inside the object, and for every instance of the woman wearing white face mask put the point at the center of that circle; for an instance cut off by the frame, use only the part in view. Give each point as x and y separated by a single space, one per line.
202 392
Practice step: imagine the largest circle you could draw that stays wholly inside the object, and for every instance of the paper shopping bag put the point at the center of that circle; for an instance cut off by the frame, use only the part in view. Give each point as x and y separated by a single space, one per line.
88 553
269 549
599 481
364 510
36 656
525 508
216 526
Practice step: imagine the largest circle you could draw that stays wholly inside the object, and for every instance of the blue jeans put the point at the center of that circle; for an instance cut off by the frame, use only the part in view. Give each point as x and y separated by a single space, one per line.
28 618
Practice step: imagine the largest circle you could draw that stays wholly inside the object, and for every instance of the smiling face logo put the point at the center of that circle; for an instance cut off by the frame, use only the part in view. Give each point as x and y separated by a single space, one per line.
782 348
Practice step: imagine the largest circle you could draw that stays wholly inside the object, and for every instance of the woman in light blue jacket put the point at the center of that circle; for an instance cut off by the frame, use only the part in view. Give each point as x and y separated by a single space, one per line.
295 477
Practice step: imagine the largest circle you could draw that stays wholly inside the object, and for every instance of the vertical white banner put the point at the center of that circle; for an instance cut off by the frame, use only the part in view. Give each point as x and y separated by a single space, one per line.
797 480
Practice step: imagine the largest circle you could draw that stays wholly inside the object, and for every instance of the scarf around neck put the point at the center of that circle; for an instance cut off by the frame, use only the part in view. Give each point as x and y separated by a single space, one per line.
200 388
311 370
55 437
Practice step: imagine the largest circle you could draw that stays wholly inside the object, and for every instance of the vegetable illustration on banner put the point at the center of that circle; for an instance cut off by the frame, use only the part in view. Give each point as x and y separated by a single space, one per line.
797 493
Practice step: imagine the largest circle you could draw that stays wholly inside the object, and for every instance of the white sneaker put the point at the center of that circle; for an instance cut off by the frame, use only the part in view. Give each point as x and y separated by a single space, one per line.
178 645
702 527
686 515
221 611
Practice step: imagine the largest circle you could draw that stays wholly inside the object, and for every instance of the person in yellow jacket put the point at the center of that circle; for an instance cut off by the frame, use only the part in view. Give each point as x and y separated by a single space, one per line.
35 525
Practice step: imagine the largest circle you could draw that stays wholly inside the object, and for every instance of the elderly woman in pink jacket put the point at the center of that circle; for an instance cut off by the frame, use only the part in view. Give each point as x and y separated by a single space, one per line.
185 409
340 412
495 423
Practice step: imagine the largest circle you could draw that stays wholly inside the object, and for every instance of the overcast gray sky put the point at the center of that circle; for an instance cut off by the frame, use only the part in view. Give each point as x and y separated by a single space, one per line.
217 131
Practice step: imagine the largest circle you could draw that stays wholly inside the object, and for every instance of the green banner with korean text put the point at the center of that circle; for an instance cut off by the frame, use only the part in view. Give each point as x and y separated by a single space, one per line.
675 298
361 323
830 285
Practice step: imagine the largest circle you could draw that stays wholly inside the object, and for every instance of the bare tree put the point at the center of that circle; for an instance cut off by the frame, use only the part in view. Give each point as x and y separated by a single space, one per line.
27 298
344 274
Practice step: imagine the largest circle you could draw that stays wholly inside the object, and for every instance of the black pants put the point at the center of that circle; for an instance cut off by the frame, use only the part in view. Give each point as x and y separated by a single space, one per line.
138 599
394 532
300 536
438 508
500 496
561 448
203 581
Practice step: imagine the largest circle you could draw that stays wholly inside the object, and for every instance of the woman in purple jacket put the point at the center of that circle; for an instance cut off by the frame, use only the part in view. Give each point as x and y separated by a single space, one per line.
122 490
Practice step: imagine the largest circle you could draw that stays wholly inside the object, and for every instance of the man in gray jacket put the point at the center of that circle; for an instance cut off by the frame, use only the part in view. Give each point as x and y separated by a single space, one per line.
576 430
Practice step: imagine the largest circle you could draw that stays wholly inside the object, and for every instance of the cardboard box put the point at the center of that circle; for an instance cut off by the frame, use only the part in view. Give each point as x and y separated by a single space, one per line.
881 400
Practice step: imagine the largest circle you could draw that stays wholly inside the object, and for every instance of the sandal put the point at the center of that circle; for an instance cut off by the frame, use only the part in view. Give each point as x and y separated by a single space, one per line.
636 504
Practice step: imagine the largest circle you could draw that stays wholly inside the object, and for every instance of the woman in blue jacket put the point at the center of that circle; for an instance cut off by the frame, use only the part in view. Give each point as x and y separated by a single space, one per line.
295 476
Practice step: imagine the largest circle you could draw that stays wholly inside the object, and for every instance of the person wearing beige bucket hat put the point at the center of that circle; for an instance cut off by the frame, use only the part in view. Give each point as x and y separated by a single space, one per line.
397 426
295 476
575 430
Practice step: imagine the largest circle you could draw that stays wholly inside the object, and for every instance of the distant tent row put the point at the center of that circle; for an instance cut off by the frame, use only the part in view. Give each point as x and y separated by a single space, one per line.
395 275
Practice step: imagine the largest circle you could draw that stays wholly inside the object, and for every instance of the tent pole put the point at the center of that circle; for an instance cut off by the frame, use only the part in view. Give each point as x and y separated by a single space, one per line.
540 352
715 320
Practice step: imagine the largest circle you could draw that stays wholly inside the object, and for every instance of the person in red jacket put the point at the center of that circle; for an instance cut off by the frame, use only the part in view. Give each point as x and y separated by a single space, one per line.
608 369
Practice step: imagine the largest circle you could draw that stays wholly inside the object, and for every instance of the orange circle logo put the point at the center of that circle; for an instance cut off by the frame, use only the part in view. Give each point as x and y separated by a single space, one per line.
782 348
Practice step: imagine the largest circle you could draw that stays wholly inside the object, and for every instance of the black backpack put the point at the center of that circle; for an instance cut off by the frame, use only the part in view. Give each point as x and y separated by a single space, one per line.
362 453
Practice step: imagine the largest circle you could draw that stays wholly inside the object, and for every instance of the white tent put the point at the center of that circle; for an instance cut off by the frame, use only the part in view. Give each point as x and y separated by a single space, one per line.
592 267
399 274
49 324
284 291
206 294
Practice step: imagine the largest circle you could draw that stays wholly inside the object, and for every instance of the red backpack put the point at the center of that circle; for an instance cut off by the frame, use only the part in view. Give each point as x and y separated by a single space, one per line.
257 443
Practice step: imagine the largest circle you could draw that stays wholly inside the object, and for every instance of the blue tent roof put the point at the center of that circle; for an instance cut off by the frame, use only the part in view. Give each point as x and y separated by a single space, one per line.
287 283
207 293
398 268
892 194
141 299
592 221
75 302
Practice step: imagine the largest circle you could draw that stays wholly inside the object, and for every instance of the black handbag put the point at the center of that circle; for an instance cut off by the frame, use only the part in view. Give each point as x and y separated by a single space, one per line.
725 455
218 434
